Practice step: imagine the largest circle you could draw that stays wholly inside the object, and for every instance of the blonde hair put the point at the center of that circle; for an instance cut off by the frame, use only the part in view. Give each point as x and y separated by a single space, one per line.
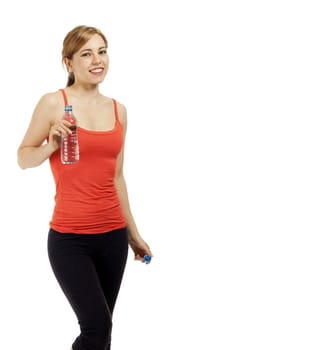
74 40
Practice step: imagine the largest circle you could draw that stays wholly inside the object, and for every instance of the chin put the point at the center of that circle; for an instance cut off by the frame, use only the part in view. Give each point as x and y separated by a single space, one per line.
99 79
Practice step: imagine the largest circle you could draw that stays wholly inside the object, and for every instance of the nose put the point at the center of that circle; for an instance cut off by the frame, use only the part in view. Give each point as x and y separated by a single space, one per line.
96 59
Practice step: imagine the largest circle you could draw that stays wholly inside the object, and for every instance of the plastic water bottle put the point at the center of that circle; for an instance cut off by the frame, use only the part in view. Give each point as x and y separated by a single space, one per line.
69 143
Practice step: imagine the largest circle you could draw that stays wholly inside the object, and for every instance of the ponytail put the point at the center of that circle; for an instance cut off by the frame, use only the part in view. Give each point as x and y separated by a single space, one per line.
70 79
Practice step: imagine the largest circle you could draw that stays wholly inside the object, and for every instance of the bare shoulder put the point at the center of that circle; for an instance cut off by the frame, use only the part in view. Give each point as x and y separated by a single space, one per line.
47 111
51 99
50 105
122 113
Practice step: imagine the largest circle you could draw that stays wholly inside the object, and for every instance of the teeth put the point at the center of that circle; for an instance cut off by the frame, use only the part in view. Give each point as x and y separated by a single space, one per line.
97 70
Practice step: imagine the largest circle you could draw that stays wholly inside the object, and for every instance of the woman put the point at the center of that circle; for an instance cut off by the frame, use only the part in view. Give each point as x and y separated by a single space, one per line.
92 223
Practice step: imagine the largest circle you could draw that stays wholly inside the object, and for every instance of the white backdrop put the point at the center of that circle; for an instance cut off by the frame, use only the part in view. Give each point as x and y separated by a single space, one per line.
218 166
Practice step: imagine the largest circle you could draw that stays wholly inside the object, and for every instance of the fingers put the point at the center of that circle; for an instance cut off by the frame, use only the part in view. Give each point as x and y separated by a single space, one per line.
61 128
54 131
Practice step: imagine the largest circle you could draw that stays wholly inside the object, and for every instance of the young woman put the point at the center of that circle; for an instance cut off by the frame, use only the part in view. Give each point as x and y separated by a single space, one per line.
92 224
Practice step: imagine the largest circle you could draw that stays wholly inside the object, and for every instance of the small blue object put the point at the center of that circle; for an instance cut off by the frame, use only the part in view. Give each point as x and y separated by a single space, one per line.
147 258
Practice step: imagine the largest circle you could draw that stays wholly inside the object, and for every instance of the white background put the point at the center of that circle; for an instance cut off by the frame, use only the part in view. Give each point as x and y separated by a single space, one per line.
218 166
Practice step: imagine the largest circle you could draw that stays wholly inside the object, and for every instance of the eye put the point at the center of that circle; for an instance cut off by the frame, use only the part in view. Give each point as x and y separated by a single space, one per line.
103 52
85 54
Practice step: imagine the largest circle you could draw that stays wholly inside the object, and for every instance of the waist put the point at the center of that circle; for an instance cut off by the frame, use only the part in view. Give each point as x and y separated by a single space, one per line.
86 214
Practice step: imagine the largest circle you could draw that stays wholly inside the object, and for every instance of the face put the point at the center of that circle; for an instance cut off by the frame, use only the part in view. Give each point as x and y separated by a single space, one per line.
90 63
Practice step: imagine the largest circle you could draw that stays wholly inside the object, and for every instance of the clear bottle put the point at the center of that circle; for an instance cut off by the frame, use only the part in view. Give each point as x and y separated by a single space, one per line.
69 143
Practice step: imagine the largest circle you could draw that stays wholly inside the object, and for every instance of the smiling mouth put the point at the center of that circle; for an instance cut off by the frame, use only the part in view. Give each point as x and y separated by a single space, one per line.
96 70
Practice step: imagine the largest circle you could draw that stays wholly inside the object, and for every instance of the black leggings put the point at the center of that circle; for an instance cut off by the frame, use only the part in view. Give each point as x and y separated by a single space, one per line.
89 269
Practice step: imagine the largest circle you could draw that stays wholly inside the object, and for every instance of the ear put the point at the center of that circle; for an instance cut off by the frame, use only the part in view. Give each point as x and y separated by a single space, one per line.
68 63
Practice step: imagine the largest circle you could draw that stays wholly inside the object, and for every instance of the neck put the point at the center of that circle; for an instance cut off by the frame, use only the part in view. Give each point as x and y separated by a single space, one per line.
84 94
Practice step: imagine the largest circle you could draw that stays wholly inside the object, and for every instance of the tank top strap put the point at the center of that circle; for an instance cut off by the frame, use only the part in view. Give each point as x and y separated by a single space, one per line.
116 110
64 96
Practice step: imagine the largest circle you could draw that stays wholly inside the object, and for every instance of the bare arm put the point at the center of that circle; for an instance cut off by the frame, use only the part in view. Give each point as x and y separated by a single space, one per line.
42 137
138 245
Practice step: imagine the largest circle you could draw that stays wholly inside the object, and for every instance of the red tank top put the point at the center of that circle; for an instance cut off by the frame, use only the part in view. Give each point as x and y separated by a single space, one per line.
86 199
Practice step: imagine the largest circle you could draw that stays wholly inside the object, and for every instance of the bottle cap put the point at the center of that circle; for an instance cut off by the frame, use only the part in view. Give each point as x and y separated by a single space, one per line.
68 108
147 258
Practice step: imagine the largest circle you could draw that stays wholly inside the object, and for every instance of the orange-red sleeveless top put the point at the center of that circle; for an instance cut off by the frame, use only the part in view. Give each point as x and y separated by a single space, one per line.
86 199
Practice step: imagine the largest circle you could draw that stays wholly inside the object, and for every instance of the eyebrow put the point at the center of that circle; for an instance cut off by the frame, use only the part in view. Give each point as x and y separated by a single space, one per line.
89 50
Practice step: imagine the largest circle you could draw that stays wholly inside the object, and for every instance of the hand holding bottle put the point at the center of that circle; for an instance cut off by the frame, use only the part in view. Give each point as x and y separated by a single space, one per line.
58 129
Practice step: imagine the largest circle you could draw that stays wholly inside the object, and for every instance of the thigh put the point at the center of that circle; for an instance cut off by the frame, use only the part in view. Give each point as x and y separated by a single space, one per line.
110 264
75 271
